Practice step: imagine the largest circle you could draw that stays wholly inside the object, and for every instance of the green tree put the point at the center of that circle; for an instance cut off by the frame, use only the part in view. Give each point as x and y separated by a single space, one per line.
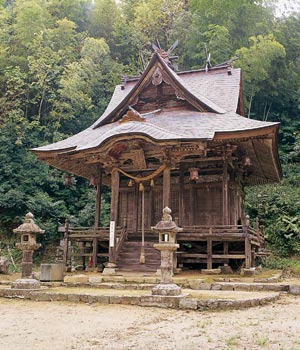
256 62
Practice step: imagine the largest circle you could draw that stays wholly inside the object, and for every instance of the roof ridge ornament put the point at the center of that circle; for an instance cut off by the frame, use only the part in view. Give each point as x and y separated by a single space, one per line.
165 55
157 77
132 116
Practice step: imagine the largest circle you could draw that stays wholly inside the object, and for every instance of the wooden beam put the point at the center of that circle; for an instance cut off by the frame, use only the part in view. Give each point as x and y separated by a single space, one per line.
95 252
98 201
225 192
181 196
115 184
225 248
137 207
166 187
209 253
248 259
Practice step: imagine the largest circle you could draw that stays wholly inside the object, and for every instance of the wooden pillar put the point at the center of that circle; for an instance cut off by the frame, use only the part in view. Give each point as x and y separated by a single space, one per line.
137 207
209 249
225 193
225 251
97 218
248 256
209 253
166 187
98 201
115 184
150 207
181 196
66 244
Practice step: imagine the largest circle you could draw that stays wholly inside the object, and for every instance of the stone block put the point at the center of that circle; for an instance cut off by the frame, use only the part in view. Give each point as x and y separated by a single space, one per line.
248 272
160 301
166 289
52 272
41 297
205 286
227 286
188 304
109 271
4 265
134 279
59 297
102 299
26 283
294 289
74 298
216 286
115 299
183 282
84 298
211 271
76 279
152 280
196 284
95 279
226 270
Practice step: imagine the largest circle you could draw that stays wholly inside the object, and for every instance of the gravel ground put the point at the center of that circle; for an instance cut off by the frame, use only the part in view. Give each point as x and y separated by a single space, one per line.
64 326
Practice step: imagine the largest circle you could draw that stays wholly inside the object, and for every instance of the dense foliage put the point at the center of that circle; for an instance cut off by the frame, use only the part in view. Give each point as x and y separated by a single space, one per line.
60 60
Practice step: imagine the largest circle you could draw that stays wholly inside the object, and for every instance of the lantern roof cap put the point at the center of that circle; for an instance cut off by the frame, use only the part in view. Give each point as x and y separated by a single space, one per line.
29 226
166 224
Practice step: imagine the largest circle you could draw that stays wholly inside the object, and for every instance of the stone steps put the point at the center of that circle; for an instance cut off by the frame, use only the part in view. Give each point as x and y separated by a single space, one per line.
129 257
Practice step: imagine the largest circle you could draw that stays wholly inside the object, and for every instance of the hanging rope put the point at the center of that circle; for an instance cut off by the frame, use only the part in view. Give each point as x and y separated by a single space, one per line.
142 179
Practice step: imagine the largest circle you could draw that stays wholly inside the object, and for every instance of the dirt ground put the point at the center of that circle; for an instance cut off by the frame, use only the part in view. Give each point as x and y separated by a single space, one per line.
64 326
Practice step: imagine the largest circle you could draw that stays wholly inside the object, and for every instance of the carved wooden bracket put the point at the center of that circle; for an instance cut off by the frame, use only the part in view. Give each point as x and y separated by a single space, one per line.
132 116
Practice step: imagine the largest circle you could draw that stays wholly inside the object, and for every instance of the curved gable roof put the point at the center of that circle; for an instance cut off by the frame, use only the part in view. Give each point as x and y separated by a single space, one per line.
115 108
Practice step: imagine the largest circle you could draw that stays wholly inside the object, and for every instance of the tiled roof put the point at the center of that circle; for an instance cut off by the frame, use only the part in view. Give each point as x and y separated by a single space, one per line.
215 87
171 125
123 96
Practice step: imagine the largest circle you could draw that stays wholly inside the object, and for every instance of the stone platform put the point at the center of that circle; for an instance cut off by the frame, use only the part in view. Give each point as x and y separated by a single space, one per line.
197 300
198 292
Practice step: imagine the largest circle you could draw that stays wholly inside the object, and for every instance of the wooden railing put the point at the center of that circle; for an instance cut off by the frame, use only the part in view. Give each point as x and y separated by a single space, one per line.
221 231
120 240
88 232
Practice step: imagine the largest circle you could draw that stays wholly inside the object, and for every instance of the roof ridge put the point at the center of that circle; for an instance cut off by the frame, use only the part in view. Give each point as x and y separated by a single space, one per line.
153 65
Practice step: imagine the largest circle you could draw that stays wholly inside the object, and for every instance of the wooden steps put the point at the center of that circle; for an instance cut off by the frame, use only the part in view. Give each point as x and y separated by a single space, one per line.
129 257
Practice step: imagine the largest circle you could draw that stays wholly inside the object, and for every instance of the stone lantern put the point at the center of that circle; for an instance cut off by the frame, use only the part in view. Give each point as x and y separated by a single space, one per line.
167 230
28 231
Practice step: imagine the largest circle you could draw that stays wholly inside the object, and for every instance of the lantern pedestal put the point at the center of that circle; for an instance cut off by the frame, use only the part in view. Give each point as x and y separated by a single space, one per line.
28 245
166 286
167 230
26 283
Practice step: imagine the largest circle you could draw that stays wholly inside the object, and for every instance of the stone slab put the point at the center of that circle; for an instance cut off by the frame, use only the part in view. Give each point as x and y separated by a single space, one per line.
248 272
52 272
211 271
26 283
166 289
109 271
188 304
76 279
195 284
294 289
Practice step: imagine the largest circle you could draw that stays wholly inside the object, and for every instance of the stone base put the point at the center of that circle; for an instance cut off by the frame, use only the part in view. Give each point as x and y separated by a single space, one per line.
226 270
52 272
4 265
248 272
80 279
110 269
211 271
26 283
166 290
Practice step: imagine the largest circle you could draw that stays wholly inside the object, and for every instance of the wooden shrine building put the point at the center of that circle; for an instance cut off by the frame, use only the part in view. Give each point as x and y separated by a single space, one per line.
176 139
